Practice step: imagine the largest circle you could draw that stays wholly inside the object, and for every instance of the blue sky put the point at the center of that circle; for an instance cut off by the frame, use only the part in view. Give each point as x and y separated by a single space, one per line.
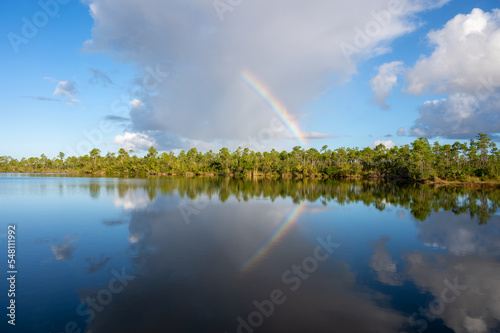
85 77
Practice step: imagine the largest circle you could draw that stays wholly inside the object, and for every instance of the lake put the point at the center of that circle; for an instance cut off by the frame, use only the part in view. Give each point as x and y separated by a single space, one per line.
224 255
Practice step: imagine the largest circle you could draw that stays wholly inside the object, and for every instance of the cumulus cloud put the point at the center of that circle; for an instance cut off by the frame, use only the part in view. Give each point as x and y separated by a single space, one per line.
387 143
452 66
67 89
134 141
384 81
464 66
401 131
458 116
292 47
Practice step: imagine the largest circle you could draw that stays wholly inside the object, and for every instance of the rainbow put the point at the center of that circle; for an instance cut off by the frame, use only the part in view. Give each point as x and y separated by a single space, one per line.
278 108
278 233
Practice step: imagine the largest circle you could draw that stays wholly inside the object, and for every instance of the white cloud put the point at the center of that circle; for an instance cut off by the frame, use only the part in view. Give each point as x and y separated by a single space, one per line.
384 81
381 261
459 234
136 104
464 65
476 308
452 67
66 89
470 258
134 141
401 131
387 143
292 46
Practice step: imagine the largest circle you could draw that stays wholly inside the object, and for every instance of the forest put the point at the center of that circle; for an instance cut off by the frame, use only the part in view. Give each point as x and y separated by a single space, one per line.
477 160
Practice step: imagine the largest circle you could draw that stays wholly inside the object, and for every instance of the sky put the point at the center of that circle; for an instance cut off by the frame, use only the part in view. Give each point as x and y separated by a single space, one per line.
274 74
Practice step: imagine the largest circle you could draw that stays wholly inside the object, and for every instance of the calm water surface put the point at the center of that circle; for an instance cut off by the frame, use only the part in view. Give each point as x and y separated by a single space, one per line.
218 255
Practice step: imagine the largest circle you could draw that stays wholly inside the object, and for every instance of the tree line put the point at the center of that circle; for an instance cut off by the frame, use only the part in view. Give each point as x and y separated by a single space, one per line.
479 159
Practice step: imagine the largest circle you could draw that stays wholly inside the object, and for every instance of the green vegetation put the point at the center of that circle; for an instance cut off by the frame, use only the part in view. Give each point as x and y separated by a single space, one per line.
420 161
